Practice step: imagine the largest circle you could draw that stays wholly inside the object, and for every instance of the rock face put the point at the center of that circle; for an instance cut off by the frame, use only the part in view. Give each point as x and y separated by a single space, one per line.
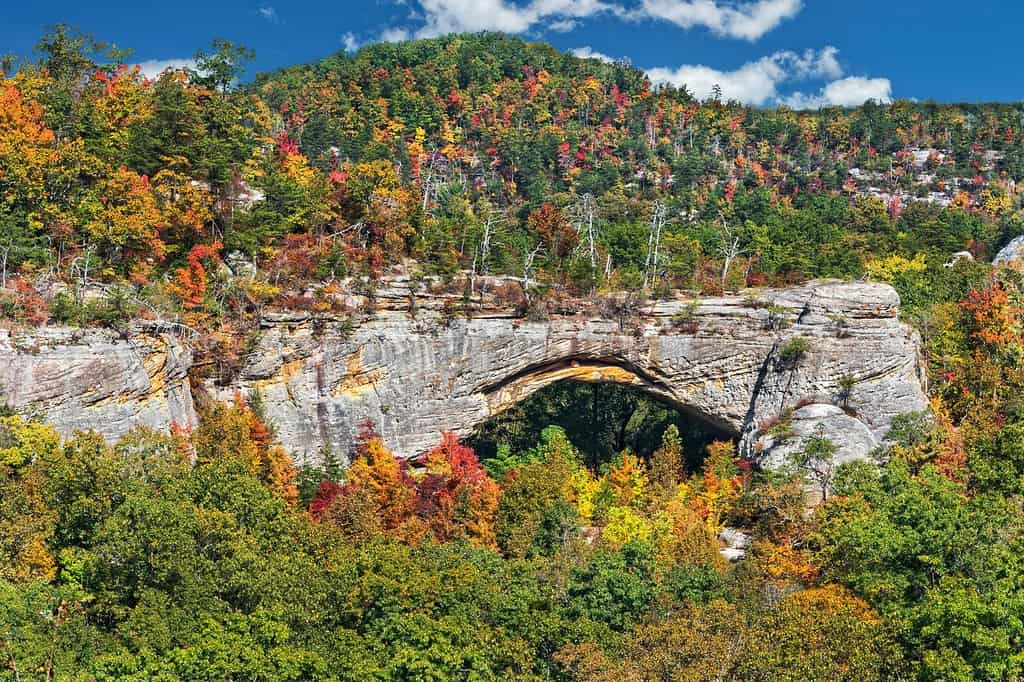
736 362
853 437
1011 253
735 544
729 361
94 379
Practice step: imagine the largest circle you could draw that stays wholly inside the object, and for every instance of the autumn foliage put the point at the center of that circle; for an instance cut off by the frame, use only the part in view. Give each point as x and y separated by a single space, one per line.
189 283
444 495
997 321
455 494
235 432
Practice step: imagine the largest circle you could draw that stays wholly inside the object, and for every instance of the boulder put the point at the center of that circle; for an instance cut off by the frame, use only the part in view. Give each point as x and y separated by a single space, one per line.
240 266
776 446
959 256
735 544
1012 253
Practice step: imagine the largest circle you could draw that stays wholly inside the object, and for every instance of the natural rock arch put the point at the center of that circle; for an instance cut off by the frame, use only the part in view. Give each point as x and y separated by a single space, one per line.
522 386
414 377
417 377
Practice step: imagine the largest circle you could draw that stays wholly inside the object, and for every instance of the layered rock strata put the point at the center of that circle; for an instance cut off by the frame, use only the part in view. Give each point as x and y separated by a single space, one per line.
737 362
81 379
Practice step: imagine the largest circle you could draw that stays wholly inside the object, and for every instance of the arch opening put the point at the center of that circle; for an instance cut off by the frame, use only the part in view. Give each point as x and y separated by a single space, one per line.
604 409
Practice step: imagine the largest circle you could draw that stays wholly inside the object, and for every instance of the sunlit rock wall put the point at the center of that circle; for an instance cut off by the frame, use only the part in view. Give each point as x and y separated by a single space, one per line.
79 379
720 360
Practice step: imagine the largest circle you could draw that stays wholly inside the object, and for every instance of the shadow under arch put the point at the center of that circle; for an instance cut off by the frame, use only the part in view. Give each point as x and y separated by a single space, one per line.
606 383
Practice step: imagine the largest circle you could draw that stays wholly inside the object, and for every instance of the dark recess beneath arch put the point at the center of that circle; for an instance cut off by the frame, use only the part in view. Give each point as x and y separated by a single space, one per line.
601 419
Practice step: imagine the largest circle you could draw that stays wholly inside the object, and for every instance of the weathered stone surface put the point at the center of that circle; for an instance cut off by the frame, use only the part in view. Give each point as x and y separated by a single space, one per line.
1011 253
853 437
80 379
735 544
416 377
240 266
959 256
718 359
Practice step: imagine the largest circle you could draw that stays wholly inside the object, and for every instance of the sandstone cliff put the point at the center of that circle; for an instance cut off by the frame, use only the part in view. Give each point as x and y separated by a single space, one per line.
722 360
80 379
726 360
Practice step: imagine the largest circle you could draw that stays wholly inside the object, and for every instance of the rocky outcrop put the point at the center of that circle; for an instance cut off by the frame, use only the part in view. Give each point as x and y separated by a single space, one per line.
1012 253
737 362
729 361
80 379
775 446
735 544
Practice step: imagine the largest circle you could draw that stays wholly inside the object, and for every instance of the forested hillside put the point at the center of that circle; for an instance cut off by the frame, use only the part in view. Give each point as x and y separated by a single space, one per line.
481 153
205 203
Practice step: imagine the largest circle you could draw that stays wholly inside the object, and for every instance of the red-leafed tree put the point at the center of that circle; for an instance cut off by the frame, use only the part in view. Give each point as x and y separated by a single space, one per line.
456 497
325 494
189 283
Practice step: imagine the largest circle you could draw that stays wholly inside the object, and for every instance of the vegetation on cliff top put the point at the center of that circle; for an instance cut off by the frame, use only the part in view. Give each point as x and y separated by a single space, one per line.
121 195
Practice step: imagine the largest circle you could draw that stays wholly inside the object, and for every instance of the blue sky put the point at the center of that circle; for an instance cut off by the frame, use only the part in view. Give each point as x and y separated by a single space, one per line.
764 52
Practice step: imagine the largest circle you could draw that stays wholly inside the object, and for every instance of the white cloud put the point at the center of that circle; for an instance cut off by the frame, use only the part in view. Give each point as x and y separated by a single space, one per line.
753 83
856 90
440 17
814 64
744 19
846 92
350 42
152 68
563 25
268 13
586 52
394 35
756 82
749 20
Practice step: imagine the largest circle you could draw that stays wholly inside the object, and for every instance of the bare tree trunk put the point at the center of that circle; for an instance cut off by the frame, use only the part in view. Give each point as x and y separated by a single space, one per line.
654 243
485 244
527 266
731 251
730 247
7 249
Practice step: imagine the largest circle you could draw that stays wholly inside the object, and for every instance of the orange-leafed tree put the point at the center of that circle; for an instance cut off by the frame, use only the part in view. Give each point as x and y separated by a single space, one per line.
627 480
995 318
719 485
376 470
27 146
273 465
189 283
234 431
550 224
784 564
186 205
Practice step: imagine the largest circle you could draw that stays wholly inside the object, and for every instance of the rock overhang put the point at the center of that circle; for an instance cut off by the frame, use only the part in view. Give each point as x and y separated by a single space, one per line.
415 377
